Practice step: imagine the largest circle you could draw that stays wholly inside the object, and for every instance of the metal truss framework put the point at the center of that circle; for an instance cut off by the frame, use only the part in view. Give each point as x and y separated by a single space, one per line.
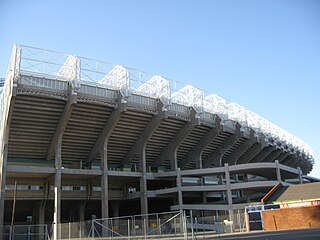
129 81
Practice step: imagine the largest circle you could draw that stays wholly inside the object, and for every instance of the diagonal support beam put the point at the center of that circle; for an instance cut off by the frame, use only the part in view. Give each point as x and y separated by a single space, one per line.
233 157
225 146
272 156
107 129
170 151
61 125
141 142
264 153
283 156
195 153
252 152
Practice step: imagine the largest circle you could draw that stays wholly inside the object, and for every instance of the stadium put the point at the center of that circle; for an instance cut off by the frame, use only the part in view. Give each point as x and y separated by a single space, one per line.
84 139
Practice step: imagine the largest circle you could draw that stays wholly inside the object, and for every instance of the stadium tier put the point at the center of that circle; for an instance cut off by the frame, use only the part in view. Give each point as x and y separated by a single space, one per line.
93 139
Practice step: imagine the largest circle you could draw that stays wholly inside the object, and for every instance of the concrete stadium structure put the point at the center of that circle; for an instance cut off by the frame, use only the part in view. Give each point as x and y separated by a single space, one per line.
83 138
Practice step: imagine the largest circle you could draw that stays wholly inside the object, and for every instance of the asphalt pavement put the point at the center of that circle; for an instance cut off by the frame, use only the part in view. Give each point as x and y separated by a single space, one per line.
305 234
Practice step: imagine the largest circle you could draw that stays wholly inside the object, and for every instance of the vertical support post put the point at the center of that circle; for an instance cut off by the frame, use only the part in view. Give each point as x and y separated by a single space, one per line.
278 172
191 223
228 184
81 217
41 219
57 191
145 228
300 175
143 183
180 196
104 183
229 193
128 229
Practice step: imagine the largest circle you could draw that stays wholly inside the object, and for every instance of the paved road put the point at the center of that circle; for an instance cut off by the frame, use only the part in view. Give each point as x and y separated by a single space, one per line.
305 234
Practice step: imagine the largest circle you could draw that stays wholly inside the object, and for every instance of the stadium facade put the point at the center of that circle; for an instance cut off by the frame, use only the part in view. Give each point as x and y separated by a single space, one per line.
82 138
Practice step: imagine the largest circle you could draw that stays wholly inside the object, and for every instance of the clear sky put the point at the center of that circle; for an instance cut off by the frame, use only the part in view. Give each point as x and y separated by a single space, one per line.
263 55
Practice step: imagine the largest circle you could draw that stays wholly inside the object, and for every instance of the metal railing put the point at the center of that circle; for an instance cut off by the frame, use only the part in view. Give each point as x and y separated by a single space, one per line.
26 232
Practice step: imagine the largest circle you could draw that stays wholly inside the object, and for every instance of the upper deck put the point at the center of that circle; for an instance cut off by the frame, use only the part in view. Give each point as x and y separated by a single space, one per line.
46 91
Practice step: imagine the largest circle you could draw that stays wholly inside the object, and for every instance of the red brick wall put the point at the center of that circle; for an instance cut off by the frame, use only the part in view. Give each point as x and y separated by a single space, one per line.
291 218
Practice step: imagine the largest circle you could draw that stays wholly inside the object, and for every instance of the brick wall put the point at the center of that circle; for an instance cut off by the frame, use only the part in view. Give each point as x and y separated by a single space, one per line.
291 218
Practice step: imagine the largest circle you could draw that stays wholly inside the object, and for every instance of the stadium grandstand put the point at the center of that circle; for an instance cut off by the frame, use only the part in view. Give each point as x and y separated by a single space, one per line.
84 139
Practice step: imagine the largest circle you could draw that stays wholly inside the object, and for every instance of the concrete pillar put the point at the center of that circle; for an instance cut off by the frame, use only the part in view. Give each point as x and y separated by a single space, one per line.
41 208
104 183
82 211
229 192
143 183
228 184
180 196
300 175
278 171
57 191
3 175
82 219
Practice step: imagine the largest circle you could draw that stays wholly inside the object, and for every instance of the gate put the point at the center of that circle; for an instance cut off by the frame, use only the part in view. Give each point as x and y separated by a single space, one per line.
170 224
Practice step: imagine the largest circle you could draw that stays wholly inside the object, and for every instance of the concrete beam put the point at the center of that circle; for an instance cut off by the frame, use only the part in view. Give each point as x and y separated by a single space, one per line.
233 157
253 151
218 153
142 140
64 118
107 129
283 156
170 151
196 152
263 154
273 155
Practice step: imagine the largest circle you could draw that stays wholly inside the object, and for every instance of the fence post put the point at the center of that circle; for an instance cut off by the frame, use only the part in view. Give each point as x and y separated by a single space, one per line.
159 225
128 228
92 227
28 233
145 228
191 223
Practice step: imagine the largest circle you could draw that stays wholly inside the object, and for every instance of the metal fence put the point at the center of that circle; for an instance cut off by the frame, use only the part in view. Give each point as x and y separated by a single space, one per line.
167 225
26 232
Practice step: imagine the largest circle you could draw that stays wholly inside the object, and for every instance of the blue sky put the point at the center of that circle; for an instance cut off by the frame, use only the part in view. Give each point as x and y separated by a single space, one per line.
264 55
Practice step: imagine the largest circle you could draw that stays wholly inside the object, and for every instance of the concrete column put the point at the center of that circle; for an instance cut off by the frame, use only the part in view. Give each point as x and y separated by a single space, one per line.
300 175
57 191
278 171
180 196
82 211
3 174
82 218
143 182
229 193
228 184
41 209
41 212
104 183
